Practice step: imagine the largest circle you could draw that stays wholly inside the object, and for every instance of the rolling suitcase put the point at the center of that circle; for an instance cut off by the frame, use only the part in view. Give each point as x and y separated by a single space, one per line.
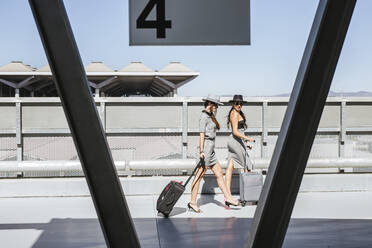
172 192
250 186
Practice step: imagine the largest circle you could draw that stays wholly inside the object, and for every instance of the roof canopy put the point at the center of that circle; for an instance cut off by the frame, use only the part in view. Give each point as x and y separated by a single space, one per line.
133 79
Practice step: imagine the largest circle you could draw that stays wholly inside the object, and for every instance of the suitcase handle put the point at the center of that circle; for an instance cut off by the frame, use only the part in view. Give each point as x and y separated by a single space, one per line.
201 163
247 157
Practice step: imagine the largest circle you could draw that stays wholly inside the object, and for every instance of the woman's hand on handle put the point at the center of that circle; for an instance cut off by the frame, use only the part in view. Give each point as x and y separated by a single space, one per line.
250 139
202 155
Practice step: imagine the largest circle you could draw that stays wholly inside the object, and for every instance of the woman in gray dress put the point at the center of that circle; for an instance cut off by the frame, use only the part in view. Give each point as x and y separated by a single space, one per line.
208 126
236 144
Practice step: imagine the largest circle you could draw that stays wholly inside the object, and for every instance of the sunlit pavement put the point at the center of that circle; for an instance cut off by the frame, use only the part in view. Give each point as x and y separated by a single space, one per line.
328 219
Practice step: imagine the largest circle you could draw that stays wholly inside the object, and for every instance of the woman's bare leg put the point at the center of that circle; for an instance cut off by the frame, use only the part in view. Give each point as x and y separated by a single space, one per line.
195 185
228 175
217 170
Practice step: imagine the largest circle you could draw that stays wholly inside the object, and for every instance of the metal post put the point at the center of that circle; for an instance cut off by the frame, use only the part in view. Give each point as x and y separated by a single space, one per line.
341 143
300 123
264 130
184 129
16 92
86 129
103 114
19 139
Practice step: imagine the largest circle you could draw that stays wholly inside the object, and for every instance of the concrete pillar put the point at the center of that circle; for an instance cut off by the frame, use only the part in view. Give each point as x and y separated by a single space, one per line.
19 139
184 129
264 151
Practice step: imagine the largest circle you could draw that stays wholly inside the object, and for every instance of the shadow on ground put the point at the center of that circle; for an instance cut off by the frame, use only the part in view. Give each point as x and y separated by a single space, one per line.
201 232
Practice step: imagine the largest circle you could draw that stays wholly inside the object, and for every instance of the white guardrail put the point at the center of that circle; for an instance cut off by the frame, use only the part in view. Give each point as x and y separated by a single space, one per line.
149 128
169 164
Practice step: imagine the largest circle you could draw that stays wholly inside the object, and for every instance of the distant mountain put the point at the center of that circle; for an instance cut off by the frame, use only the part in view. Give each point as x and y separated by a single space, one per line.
339 94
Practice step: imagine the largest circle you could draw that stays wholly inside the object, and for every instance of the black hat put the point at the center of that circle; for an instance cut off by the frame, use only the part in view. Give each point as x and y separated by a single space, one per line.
238 98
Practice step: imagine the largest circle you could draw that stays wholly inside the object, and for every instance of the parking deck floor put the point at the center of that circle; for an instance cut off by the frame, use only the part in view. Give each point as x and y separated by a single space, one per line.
325 219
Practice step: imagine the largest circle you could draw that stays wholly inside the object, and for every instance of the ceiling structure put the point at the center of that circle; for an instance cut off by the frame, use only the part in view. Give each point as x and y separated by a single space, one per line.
133 80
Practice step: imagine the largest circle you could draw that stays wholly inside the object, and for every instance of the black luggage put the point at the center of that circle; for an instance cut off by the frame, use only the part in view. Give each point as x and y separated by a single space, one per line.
172 192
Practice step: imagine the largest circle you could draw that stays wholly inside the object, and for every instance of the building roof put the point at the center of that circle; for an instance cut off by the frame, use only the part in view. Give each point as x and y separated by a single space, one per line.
176 67
45 68
133 79
97 67
136 67
16 66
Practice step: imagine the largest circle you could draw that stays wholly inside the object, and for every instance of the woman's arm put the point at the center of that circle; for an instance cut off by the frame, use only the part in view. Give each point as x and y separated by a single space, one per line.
234 119
202 130
201 142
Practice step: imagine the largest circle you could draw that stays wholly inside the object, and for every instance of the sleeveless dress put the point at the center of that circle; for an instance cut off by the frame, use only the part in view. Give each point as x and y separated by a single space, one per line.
237 149
208 127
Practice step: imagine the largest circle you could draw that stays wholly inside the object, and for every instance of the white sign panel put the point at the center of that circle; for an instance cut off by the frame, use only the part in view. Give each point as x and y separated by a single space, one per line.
189 22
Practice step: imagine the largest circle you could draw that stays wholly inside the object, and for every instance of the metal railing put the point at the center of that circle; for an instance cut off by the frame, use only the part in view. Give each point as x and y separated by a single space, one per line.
160 167
147 128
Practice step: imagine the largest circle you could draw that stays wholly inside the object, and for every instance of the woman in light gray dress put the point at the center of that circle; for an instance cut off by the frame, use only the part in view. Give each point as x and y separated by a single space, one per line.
208 126
236 144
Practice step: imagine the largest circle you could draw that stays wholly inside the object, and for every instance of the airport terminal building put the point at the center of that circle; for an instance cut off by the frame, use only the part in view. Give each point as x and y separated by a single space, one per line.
135 79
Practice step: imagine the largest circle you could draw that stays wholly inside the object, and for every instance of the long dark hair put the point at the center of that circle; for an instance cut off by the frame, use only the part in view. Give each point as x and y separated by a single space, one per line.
211 115
241 114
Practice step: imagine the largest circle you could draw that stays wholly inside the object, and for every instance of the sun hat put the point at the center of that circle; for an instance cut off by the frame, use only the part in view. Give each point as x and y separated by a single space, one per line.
238 98
213 98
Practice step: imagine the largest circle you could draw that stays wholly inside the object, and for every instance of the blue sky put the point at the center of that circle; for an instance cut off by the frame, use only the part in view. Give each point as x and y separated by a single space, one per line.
279 31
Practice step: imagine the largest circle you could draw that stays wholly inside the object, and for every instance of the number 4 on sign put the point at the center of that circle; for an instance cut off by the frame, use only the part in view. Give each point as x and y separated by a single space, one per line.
160 24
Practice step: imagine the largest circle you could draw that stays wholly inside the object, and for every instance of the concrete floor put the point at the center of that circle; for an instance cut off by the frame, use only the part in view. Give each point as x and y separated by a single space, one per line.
326 219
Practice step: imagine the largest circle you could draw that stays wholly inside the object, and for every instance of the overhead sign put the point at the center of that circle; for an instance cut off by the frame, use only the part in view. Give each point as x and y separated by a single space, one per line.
189 22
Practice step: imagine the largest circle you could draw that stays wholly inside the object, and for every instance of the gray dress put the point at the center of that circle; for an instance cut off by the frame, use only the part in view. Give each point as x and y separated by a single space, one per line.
237 149
208 127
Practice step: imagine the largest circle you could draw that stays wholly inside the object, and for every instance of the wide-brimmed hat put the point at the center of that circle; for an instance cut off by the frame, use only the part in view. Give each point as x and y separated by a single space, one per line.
213 98
238 98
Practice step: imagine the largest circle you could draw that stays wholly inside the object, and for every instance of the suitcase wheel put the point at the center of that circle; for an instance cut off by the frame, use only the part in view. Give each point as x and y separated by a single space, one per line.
243 203
165 215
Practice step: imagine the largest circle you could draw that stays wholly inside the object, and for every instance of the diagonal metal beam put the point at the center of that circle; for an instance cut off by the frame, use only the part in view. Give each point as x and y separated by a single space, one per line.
26 82
300 123
44 84
185 81
91 84
10 84
115 91
106 82
168 83
110 86
82 117
159 87
156 91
